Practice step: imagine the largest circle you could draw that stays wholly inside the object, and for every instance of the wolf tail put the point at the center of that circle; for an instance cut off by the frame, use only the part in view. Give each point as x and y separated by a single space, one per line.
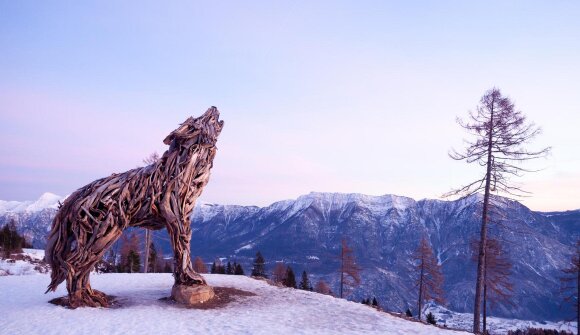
58 248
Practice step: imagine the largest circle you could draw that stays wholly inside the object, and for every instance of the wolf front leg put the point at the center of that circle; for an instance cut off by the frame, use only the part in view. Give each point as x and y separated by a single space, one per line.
180 235
190 288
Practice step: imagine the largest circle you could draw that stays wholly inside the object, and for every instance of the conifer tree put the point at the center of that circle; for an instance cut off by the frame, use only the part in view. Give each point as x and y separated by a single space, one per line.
239 270
429 279
133 261
375 302
229 269
431 319
130 259
305 282
290 278
213 267
500 134
259 269
349 270
408 313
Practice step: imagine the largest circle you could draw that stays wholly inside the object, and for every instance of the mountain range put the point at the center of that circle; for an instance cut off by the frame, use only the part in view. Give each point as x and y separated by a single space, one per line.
384 231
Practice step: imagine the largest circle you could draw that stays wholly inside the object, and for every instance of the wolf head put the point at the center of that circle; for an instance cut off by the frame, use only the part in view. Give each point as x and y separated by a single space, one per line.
202 130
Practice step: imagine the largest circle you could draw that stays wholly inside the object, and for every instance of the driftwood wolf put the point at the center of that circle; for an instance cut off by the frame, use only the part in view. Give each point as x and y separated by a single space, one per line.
161 195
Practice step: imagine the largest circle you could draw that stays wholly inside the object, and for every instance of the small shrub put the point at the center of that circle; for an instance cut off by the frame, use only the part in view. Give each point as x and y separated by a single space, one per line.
431 319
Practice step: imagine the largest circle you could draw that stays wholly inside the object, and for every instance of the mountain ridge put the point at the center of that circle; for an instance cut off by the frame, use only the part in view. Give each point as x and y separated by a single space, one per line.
384 231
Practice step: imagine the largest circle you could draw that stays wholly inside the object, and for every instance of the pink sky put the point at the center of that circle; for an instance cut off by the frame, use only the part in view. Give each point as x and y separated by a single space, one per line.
337 97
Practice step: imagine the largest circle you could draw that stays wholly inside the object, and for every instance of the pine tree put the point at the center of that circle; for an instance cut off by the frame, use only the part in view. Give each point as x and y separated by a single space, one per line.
349 270
130 254
305 282
408 313
290 279
229 269
133 262
218 267
375 302
259 269
500 135
239 270
431 319
430 279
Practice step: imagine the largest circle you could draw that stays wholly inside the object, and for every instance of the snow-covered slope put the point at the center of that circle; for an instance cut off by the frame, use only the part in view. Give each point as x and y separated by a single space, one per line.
495 325
273 310
29 262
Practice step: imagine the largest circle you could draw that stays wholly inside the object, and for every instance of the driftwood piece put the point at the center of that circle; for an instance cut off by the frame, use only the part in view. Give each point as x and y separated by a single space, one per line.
160 195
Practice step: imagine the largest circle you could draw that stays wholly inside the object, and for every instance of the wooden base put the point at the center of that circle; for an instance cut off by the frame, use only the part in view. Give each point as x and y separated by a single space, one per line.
192 295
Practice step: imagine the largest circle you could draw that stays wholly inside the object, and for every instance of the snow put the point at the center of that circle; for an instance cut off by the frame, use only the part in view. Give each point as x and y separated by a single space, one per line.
25 310
47 200
16 268
21 267
245 247
495 325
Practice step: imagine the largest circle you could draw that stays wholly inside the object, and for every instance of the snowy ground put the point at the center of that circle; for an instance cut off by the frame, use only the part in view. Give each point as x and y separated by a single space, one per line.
29 265
25 310
495 325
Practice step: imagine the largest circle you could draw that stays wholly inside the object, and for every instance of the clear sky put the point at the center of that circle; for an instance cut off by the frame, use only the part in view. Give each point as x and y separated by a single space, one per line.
337 96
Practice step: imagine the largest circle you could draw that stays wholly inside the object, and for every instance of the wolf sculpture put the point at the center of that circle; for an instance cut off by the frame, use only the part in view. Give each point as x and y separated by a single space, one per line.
157 196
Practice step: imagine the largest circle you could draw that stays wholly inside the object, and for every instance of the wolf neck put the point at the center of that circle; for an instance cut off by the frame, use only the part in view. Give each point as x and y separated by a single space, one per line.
187 171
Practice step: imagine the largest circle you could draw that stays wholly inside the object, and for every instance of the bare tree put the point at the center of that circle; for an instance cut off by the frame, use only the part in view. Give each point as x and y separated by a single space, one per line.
430 280
199 266
151 159
497 287
571 282
130 258
349 270
500 135
279 272
323 288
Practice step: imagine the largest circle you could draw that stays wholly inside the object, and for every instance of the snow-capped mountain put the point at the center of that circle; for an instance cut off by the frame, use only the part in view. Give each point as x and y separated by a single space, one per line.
33 218
384 231
47 200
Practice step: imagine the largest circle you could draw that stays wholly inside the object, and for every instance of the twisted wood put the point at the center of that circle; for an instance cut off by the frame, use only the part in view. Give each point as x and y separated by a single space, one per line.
160 195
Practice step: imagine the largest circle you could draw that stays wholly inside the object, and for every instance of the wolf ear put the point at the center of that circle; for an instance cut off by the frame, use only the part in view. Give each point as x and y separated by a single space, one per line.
180 132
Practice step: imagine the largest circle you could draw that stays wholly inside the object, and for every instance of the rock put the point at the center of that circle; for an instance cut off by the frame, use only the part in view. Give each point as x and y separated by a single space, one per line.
192 295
